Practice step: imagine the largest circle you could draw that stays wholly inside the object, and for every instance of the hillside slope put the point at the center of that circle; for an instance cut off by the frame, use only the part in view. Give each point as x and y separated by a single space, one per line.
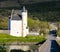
45 11
6 3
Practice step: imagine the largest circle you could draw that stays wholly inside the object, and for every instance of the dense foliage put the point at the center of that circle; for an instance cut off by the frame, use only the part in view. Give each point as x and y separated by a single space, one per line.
34 25
44 11
38 26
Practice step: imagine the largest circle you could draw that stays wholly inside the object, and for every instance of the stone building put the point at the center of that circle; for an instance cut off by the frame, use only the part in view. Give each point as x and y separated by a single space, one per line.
17 25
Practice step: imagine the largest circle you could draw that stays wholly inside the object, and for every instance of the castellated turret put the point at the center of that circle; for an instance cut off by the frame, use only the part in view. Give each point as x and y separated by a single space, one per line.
18 23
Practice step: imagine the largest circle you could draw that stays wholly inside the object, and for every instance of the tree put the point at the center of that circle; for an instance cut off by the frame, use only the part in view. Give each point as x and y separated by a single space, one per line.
33 25
44 27
38 26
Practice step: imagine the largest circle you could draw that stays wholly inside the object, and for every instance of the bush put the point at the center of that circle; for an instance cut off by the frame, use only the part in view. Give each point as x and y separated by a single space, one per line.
2 48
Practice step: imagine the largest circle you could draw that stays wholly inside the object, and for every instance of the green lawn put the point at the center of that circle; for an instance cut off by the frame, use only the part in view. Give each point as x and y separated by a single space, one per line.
5 38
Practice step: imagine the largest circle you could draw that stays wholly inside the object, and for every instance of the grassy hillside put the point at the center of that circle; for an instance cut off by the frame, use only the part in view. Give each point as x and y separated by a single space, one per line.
44 11
5 38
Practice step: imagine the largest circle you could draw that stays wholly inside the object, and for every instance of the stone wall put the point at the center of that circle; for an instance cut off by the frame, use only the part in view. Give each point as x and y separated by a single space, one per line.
18 47
34 33
4 31
7 32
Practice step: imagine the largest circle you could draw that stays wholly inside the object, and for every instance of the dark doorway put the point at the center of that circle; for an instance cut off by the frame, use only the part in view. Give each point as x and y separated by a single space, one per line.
16 50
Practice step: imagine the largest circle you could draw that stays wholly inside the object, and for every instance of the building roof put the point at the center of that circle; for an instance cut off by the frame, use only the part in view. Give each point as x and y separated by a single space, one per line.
16 18
16 15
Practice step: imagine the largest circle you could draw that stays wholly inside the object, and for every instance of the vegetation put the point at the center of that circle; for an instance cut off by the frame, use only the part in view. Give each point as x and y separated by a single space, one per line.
5 38
34 25
2 48
3 23
38 26
40 13
43 11
58 32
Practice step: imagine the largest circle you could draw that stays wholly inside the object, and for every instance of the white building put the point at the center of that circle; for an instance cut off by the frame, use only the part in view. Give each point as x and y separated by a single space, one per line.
18 23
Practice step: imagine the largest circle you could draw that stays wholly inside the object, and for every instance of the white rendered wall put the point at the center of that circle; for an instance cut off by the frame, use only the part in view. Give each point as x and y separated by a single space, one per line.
16 28
24 23
27 31
24 17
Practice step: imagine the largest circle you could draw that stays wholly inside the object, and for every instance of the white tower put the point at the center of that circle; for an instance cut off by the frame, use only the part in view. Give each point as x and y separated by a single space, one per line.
18 23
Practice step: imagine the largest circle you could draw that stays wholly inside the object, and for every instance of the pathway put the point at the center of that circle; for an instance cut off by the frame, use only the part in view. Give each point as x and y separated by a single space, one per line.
50 45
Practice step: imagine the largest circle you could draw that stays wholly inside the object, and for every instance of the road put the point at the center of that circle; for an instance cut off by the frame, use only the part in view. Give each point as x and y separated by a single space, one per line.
50 45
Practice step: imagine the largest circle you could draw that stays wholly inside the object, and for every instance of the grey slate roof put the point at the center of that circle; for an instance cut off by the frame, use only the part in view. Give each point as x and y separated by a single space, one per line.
16 15
16 18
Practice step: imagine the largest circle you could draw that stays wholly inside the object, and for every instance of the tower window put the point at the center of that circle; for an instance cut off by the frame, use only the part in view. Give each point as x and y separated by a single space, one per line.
20 17
26 27
17 32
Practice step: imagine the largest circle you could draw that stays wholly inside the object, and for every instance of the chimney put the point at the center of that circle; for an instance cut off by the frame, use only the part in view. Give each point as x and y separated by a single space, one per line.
24 9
